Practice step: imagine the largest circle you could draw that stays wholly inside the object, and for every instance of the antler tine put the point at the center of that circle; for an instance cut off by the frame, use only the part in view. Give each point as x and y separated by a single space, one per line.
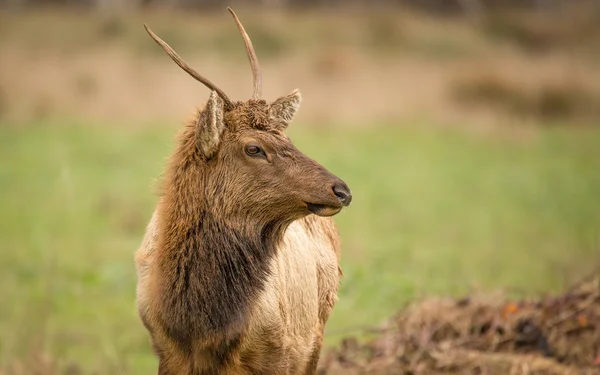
251 56
182 64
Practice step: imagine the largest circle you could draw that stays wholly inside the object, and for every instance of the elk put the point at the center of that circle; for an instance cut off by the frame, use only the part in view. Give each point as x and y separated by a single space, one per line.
238 270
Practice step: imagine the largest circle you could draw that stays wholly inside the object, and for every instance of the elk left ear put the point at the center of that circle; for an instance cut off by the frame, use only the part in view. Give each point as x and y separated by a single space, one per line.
284 108
209 126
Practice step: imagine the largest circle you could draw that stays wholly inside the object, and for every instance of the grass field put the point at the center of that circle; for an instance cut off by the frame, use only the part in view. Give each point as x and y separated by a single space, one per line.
436 211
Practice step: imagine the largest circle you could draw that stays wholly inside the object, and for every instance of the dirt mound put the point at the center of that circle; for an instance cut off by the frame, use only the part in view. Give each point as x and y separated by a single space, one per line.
489 335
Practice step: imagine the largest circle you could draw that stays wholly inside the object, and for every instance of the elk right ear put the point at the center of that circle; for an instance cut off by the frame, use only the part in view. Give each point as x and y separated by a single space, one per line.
284 108
209 126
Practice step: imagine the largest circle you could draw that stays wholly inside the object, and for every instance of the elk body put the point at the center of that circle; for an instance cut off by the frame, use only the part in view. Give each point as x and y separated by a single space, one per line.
238 270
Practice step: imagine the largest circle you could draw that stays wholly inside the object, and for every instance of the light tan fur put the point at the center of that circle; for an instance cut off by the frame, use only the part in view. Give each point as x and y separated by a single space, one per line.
300 295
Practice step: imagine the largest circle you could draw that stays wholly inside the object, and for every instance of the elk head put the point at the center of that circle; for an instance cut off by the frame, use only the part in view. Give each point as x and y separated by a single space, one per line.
250 170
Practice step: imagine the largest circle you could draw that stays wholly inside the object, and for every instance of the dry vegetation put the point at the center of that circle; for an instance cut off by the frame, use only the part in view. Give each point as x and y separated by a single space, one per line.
353 68
574 28
557 335
551 80
557 97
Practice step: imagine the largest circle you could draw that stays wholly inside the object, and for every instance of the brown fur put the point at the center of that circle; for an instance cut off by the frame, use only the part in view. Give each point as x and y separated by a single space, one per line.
236 273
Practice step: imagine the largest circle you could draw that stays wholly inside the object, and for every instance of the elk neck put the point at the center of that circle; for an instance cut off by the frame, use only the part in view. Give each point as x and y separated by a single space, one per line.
211 269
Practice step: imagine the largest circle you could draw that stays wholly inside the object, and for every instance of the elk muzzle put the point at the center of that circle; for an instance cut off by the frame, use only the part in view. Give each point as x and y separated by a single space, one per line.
341 190
339 196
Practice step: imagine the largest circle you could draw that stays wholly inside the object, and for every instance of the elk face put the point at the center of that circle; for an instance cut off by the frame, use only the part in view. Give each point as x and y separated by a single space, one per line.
251 169
277 175
254 171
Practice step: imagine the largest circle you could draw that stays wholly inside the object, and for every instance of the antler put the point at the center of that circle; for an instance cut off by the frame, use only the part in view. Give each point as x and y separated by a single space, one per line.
251 56
182 64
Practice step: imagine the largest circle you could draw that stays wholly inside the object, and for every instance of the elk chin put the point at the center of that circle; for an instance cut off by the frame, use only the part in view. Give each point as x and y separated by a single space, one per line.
323 210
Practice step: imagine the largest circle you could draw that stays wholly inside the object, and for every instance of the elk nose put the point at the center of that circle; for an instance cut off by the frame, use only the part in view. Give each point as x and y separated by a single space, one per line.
341 190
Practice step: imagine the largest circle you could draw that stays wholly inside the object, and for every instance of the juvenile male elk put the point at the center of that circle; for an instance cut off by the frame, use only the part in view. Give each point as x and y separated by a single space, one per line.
238 270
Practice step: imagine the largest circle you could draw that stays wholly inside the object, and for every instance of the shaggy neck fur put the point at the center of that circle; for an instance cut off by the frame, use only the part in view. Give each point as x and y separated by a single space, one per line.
211 270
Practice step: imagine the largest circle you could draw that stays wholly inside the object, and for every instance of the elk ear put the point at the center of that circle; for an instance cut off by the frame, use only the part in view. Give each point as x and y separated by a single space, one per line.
284 108
210 126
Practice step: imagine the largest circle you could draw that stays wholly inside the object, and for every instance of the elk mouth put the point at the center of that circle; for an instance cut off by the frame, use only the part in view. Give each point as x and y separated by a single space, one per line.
323 209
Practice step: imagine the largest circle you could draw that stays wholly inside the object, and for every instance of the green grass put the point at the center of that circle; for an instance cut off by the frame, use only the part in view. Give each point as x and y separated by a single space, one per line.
434 212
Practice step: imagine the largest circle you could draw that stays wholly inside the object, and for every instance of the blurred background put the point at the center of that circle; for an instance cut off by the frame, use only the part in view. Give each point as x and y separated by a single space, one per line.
467 130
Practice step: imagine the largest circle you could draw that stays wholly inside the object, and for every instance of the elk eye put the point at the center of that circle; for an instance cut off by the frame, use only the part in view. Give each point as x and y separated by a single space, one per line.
254 150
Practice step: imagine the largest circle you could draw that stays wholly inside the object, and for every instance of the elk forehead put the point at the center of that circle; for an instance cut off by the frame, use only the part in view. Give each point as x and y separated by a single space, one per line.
254 114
